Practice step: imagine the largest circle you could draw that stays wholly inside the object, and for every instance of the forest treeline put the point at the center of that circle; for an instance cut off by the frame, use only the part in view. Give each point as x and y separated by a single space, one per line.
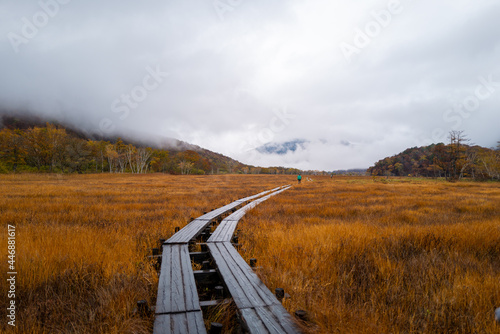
455 160
52 148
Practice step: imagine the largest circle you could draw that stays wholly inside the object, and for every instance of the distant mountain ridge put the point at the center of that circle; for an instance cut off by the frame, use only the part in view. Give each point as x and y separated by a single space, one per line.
282 148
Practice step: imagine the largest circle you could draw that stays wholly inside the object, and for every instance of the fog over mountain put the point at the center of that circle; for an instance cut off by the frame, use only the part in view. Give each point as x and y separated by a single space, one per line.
355 82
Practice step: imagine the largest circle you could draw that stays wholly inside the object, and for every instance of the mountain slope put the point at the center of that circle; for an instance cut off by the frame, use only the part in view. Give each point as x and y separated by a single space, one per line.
27 143
439 160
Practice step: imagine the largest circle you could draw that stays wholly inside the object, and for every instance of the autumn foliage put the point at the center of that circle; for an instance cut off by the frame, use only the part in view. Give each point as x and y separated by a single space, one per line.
53 148
450 161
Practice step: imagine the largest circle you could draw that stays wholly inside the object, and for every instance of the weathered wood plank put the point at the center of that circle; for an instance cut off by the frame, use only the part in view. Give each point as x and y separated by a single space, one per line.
225 230
244 285
268 319
283 318
217 212
249 198
176 286
195 227
190 231
179 323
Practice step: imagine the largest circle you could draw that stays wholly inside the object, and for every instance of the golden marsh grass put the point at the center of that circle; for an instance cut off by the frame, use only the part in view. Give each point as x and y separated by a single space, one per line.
366 255
359 254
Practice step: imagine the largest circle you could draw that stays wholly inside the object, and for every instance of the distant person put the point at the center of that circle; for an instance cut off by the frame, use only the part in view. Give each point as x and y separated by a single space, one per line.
299 178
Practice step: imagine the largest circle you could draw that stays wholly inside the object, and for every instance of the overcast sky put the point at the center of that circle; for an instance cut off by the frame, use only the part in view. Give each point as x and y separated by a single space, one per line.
356 81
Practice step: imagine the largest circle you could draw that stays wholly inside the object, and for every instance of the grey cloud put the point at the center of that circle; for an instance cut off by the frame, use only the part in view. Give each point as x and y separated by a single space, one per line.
226 76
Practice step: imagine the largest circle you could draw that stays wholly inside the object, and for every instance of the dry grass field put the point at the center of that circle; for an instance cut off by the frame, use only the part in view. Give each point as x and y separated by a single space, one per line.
361 255
82 242
366 255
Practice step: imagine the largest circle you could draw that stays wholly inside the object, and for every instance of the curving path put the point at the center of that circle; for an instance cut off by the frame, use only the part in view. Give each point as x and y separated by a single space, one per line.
178 307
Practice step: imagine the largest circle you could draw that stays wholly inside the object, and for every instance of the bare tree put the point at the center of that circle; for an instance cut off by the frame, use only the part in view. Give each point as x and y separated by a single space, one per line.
138 158
130 153
457 144
185 167
142 158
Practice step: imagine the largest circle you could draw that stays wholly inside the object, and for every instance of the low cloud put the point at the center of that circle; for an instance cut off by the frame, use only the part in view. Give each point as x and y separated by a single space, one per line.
230 69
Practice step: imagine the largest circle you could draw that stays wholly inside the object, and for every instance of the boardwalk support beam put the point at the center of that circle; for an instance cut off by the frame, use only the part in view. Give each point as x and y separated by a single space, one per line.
301 315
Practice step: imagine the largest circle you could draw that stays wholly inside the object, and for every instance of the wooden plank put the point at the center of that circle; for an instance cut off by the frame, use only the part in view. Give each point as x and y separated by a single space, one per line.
179 323
260 309
195 227
215 302
224 231
244 285
268 319
190 231
283 318
220 211
249 198
176 286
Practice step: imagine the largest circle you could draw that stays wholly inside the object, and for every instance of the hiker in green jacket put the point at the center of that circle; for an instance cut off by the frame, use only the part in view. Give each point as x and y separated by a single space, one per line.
299 178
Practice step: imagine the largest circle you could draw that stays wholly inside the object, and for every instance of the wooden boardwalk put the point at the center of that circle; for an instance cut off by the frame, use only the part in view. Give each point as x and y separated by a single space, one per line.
195 227
225 230
178 307
260 310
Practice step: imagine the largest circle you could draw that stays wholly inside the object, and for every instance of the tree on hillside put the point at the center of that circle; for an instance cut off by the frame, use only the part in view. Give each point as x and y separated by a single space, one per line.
12 148
205 165
142 158
231 166
489 163
76 154
441 159
98 153
36 147
187 161
131 155
185 167
160 161
121 157
56 139
112 157
45 146
457 151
